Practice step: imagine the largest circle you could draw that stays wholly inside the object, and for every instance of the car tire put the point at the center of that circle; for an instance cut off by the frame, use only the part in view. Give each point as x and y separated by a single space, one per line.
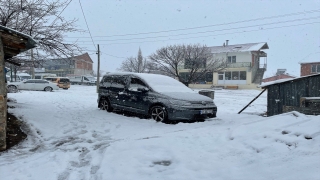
48 89
105 105
159 113
12 89
212 115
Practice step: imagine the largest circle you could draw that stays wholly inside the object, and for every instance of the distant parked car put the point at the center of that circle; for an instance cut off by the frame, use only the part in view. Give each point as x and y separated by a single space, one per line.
160 97
33 85
62 82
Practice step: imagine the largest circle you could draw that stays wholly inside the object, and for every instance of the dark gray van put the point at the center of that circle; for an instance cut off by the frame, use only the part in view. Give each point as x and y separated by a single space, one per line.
160 97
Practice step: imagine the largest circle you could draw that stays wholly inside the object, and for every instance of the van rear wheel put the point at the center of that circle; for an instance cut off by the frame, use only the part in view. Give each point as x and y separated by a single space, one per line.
105 105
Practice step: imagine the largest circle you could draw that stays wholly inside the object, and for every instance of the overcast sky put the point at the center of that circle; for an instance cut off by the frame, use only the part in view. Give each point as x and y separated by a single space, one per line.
290 27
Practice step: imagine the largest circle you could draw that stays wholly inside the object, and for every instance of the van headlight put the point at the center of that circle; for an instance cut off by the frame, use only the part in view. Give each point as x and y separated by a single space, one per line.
179 102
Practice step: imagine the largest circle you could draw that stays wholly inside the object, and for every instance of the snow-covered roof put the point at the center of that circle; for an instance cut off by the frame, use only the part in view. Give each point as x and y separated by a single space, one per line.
31 41
239 47
311 58
284 80
15 42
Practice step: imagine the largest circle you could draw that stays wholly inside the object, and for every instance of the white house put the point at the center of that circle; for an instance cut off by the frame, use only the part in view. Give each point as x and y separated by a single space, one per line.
245 69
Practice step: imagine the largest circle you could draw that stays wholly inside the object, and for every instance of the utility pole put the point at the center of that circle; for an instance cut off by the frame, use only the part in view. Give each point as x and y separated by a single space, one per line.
98 73
32 68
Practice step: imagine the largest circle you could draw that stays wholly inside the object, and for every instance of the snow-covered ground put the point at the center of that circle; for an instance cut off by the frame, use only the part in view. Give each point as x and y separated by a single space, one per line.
70 138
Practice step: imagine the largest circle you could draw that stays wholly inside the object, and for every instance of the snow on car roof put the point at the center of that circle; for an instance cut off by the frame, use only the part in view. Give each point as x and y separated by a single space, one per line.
159 83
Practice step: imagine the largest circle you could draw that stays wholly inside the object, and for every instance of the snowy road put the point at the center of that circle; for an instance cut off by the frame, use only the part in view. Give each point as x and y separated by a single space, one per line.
70 138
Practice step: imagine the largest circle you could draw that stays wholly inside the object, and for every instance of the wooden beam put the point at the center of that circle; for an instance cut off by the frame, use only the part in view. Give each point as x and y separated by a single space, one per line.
251 101
12 62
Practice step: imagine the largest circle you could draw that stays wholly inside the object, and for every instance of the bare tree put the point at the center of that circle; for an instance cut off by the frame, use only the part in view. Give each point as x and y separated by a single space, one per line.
94 73
169 59
197 60
136 64
41 20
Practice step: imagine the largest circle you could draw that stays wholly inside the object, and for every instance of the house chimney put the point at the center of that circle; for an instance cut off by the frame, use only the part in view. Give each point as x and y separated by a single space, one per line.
227 42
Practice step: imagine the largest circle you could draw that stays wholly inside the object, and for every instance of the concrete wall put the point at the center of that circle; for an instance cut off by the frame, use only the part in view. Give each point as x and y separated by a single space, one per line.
241 56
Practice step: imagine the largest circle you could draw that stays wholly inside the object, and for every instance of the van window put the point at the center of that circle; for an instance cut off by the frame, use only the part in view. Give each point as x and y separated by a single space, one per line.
118 82
106 81
64 80
136 83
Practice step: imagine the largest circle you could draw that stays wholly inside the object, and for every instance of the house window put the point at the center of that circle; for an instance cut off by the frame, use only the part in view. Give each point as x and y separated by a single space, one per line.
235 75
202 78
315 68
243 75
232 59
228 75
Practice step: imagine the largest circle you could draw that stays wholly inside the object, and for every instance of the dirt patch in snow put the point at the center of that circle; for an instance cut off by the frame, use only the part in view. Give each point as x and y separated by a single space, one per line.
14 133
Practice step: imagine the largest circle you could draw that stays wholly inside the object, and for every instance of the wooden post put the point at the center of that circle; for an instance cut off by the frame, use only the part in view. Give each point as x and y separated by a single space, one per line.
251 101
98 73
3 100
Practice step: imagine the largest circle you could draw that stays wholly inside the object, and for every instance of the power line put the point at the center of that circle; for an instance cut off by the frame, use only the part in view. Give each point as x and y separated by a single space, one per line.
211 31
198 27
214 35
60 13
112 55
87 25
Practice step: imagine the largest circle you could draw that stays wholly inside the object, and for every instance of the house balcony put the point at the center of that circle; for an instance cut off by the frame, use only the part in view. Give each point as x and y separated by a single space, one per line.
239 65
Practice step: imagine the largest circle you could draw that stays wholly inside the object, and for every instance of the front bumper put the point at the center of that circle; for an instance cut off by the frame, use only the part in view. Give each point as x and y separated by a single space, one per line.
179 113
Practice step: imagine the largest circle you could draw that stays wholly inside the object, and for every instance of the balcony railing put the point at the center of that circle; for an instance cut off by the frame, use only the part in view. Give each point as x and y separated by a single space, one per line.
239 65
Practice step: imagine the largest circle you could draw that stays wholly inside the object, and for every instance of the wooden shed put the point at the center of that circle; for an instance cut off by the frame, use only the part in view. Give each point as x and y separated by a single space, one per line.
299 94
11 44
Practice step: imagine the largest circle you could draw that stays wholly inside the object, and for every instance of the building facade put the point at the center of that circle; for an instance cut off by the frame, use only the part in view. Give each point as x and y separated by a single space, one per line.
77 65
310 65
309 68
246 64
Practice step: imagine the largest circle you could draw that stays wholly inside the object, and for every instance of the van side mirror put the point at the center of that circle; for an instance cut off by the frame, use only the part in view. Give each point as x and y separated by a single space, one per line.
143 89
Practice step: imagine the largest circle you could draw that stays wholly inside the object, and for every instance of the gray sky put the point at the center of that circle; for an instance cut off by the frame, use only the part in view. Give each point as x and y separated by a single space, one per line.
290 27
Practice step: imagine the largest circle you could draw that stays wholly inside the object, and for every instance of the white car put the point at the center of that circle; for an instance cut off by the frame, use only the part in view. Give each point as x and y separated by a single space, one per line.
33 85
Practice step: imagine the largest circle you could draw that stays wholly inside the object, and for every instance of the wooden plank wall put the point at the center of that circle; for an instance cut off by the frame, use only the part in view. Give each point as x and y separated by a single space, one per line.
3 100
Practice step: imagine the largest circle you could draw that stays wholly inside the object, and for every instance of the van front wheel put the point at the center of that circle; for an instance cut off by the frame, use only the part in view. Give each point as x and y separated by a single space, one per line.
105 105
159 113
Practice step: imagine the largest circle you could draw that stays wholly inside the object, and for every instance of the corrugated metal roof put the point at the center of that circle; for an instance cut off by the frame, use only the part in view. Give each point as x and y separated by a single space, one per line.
239 47
284 80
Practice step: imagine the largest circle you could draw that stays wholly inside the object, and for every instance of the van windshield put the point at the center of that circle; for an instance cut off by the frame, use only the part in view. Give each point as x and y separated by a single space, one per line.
90 78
